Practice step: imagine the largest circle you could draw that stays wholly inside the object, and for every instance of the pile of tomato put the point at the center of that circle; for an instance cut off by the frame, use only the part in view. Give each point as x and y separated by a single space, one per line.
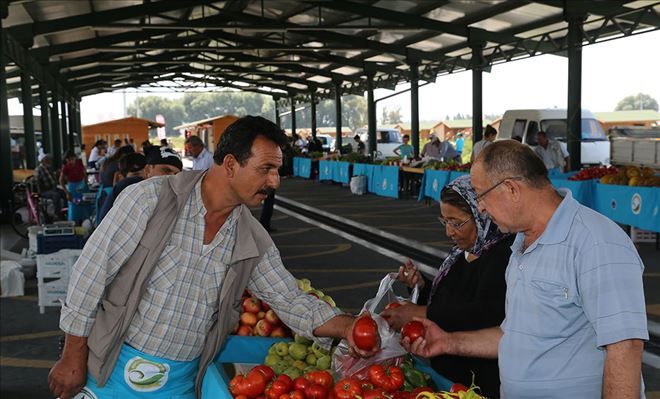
381 383
594 172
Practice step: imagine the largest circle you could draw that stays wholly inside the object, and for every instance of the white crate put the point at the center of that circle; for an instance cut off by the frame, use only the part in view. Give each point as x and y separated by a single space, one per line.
57 264
639 235
51 292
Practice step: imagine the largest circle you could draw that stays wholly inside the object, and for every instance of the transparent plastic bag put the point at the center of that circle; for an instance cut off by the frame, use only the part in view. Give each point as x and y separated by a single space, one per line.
391 352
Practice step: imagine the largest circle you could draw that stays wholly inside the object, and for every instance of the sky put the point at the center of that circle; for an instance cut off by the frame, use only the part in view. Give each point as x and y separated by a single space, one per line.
610 71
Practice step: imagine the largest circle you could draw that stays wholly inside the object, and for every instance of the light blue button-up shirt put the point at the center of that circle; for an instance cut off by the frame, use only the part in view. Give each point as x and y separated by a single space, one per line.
576 289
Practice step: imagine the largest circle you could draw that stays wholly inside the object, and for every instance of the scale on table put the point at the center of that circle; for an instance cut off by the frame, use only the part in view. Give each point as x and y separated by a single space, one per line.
59 229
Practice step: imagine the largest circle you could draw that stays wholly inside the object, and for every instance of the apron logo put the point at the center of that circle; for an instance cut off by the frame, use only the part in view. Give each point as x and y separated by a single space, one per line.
144 375
384 184
435 185
636 204
86 393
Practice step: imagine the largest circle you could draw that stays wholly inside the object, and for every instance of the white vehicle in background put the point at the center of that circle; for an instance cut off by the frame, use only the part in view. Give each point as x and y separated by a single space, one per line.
525 123
327 141
386 141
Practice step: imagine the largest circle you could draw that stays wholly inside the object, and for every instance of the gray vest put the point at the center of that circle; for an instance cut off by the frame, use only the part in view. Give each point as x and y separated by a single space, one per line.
123 295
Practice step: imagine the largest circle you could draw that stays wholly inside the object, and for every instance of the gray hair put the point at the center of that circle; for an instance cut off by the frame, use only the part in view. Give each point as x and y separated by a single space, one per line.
509 158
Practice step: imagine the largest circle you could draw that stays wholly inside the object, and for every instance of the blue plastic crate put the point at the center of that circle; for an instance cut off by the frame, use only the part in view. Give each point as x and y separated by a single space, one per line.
50 244
253 350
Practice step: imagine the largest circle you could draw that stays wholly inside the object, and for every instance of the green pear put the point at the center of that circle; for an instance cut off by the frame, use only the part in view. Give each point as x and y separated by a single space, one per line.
311 359
299 339
324 362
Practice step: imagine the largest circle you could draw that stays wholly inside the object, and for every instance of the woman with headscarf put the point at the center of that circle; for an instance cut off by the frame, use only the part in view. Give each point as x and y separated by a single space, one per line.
469 289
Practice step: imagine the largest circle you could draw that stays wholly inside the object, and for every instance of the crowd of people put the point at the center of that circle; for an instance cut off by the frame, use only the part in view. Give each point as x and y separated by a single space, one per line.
539 296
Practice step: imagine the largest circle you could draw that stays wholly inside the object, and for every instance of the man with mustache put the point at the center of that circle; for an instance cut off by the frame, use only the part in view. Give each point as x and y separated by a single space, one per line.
205 257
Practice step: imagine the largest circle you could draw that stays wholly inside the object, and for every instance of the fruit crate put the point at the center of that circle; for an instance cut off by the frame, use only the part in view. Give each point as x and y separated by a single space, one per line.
253 350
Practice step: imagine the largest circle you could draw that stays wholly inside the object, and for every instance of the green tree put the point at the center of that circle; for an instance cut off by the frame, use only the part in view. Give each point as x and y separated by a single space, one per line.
639 101
150 106
394 116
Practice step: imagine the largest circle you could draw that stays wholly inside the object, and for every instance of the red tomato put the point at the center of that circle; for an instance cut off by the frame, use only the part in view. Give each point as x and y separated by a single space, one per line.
365 333
413 330
316 391
374 394
390 379
458 388
301 384
251 385
286 380
322 378
278 388
347 388
392 305
266 371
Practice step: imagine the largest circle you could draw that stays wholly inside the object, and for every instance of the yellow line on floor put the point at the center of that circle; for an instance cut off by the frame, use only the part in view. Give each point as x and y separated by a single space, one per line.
30 363
29 298
651 275
339 248
339 270
292 231
652 395
351 286
23 337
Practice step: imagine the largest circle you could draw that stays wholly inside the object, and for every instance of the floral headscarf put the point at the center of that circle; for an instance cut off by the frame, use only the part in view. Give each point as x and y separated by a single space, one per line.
487 232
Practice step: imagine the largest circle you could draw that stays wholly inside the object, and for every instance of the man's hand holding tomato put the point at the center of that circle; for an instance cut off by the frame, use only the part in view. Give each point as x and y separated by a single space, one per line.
434 342
397 317
342 326
370 338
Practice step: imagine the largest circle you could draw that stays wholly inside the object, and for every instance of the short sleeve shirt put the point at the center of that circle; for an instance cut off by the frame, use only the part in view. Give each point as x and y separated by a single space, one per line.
75 173
575 290
203 161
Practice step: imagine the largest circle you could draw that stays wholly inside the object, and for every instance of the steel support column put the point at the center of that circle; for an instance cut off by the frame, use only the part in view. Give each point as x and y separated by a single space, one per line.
293 116
46 136
71 106
277 113
58 145
312 100
477 93
371 115
78 122
338 115
414 106
574 103
6 167
66 146
28 121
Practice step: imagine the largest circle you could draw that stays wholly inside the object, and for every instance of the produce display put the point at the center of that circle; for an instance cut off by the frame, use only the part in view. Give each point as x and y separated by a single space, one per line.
259 319
447 165
632 176
354 157
297 357
594 172
306 286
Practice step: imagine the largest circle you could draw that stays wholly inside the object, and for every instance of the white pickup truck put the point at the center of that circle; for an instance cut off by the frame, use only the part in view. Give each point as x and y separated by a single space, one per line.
386 141
525 123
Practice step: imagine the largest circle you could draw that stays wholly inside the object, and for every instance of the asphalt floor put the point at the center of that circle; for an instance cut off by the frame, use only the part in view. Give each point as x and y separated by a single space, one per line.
347 271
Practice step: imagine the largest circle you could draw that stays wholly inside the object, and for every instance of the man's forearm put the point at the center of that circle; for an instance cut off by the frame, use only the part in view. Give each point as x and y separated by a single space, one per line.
623 368
75 346
335 327
480 343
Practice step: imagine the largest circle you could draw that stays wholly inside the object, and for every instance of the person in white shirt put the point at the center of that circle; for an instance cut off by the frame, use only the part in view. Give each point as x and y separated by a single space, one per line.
489 136
114 148
202 158
554 156
97 153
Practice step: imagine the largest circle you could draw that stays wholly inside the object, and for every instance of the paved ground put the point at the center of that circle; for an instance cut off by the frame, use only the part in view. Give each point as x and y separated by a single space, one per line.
348 272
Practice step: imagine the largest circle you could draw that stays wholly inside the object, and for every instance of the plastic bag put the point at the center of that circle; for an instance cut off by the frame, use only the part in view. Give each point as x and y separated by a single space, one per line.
391 352
358 185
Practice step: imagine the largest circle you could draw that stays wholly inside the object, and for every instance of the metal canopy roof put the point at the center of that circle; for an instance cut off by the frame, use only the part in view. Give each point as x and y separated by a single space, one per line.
288 48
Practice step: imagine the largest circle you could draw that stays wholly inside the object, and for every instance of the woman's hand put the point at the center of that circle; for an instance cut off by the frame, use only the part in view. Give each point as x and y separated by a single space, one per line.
401 315
409 275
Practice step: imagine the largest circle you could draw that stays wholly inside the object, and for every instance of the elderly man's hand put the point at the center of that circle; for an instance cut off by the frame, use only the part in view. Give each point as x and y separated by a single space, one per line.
353 349
434 342
67 377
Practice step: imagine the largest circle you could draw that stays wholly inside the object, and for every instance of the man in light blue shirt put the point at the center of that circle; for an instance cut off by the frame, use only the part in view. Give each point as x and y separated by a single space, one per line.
575 312
202 158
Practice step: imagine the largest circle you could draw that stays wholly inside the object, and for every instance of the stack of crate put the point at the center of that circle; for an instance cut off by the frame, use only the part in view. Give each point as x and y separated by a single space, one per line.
53 276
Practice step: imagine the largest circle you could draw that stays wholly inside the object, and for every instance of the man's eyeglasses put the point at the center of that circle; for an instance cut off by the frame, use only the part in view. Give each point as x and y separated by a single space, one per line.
455 226
482 195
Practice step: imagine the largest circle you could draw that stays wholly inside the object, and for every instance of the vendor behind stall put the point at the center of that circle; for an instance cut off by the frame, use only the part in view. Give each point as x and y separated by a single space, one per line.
194 232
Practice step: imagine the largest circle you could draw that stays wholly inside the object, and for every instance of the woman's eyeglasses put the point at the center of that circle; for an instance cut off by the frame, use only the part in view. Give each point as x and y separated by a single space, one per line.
455 226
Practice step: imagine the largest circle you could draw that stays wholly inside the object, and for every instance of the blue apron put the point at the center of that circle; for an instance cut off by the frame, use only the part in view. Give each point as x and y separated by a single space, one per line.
138 375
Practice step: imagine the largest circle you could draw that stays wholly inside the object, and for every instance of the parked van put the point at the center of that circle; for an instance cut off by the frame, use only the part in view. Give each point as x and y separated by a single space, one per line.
387 141
525 123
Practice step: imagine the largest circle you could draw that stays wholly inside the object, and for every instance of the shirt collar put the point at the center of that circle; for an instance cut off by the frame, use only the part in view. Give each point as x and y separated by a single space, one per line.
561 221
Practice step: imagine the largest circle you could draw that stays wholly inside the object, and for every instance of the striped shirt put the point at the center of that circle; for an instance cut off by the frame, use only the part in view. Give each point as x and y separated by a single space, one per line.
575 290
181 300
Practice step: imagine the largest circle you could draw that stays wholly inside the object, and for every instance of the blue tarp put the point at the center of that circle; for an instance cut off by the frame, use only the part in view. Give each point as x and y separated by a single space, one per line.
326 170
433 182
386 181
363 169
582 190
302 167
341 172
634 206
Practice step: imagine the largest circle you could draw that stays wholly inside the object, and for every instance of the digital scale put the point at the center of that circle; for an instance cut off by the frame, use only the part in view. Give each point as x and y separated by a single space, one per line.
59 229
